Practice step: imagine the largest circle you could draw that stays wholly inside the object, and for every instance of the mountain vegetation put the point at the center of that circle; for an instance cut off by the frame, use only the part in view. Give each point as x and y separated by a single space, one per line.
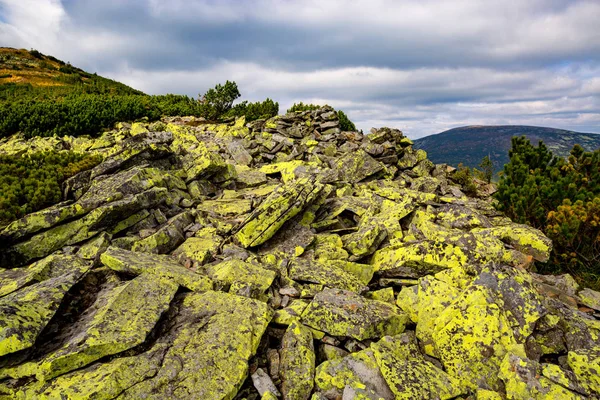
470 144
43 96
33 181
559 196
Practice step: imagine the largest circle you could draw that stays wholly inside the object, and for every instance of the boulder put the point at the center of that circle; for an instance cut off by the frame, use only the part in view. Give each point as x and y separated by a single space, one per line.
130 262
297 362
344 313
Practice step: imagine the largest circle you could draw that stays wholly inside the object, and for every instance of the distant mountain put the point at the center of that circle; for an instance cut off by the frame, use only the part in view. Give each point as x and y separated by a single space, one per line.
469 144
24 71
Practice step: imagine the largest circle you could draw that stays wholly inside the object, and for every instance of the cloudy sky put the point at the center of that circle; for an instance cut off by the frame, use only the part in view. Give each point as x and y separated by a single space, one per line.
423 66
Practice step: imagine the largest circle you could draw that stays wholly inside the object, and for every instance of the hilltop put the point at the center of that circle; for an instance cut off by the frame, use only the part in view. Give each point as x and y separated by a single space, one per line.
469 144
25 71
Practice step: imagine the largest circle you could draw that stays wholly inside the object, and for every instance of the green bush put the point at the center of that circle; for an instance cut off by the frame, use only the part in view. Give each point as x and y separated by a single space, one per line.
345 123
89 105
32 182
298 107
253 111
464 177
216 102
487 169
559 196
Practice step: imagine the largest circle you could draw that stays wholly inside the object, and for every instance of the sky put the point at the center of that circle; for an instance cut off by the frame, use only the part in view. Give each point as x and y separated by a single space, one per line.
423 66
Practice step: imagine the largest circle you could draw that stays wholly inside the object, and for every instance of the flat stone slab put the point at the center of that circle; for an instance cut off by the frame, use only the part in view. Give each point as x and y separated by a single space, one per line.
25 312
135 263
344 313
120 319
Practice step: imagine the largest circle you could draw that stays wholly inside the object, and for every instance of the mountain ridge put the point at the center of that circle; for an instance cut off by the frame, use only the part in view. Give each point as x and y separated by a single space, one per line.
469 144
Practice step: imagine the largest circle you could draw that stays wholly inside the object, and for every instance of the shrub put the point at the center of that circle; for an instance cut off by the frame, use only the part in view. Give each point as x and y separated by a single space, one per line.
559 196
464 177
253 111
487 169
298 107
32 182
345 123
216 102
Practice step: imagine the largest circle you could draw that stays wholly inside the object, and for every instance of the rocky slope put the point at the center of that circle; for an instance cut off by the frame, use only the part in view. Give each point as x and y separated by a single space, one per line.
281 259
469 144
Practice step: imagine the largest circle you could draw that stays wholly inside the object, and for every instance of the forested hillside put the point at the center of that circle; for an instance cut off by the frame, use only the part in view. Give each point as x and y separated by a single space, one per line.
469 144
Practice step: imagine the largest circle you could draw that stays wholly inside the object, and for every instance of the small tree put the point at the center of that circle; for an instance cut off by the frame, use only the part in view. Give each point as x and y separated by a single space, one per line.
345 123
487 168
464 177
216 102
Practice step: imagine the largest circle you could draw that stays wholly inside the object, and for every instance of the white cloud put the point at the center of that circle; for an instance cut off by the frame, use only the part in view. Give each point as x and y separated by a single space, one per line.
421 65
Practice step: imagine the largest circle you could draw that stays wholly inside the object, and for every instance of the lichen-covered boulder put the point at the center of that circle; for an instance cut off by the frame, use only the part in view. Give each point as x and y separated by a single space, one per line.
134 263
585 363
357 372
425 256
196 363
241 278
120 319
326 273
472 336
408 374
356 166
524 238
282 205
199 248
79 230
345 313
167 237
297 362
25 312
523 381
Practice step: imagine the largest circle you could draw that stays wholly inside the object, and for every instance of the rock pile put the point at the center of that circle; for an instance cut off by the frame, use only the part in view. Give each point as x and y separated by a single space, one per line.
281 259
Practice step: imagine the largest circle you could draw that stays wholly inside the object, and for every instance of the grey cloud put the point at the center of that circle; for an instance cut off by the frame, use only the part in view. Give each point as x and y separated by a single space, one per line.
421 65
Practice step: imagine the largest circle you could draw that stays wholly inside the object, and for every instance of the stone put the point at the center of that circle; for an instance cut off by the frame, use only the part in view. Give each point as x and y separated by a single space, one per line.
196 364
345 313
327 274
135 263
119 320
79 230
426 257
585 363
356 166
358 371
408 374
590 298
241 277
25 312
523 381
472 336
168 237
297 368
283 204
524 238
200 248
264 384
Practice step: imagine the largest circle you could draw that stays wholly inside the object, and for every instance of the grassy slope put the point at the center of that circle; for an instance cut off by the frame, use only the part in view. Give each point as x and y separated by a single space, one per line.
470 144
29 69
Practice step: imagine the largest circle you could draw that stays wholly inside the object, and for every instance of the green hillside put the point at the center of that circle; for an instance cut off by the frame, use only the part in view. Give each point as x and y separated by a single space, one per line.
31 73
469 144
